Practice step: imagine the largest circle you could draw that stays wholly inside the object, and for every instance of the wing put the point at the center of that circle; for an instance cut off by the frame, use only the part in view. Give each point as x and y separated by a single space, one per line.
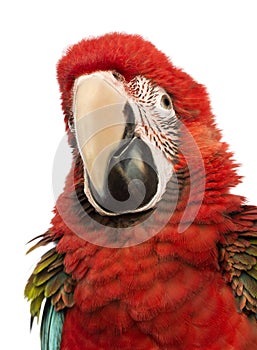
51 327
238 259
49 282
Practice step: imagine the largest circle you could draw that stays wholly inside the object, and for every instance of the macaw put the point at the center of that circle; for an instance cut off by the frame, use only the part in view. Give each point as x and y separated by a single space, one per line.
149 248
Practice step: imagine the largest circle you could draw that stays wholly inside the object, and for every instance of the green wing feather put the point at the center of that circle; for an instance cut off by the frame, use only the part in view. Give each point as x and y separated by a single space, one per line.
49 281
238 259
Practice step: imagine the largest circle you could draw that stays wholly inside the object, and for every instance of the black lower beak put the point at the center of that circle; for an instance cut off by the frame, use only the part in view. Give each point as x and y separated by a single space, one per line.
131 181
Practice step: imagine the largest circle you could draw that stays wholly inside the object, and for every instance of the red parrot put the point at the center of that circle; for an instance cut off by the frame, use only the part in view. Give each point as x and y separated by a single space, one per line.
150 249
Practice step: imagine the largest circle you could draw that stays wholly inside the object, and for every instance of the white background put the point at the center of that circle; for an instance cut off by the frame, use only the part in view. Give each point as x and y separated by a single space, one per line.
214 41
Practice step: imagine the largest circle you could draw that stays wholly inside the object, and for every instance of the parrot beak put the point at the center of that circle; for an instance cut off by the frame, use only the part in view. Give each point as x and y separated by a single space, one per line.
120 175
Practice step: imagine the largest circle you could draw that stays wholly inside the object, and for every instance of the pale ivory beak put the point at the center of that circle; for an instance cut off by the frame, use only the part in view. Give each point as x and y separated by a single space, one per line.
121 170
100 123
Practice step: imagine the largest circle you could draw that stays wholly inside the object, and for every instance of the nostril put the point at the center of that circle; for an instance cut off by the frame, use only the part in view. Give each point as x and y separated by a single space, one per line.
117 75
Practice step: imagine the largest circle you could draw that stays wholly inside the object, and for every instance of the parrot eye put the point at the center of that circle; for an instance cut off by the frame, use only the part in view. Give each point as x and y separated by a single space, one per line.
166 101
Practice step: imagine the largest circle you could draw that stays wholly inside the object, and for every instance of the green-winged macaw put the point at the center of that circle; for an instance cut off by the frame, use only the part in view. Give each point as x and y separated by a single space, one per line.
151 250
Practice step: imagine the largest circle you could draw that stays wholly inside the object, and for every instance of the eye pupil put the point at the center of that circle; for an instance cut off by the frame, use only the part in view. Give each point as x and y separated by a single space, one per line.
166 102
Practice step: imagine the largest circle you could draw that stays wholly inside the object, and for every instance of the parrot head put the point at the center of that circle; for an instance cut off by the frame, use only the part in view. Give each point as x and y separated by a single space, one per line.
136 123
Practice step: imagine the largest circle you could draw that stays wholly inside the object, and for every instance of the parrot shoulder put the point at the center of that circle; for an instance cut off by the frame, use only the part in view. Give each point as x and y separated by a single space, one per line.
50 283
238 259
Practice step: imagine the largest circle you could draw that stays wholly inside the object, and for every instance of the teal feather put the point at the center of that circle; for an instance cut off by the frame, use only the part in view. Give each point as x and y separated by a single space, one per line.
51 327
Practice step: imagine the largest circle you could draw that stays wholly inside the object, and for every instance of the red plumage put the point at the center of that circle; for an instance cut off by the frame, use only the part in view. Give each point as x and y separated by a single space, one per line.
167 292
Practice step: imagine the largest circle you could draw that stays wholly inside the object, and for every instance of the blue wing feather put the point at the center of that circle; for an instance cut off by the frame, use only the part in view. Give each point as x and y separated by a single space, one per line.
51 327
